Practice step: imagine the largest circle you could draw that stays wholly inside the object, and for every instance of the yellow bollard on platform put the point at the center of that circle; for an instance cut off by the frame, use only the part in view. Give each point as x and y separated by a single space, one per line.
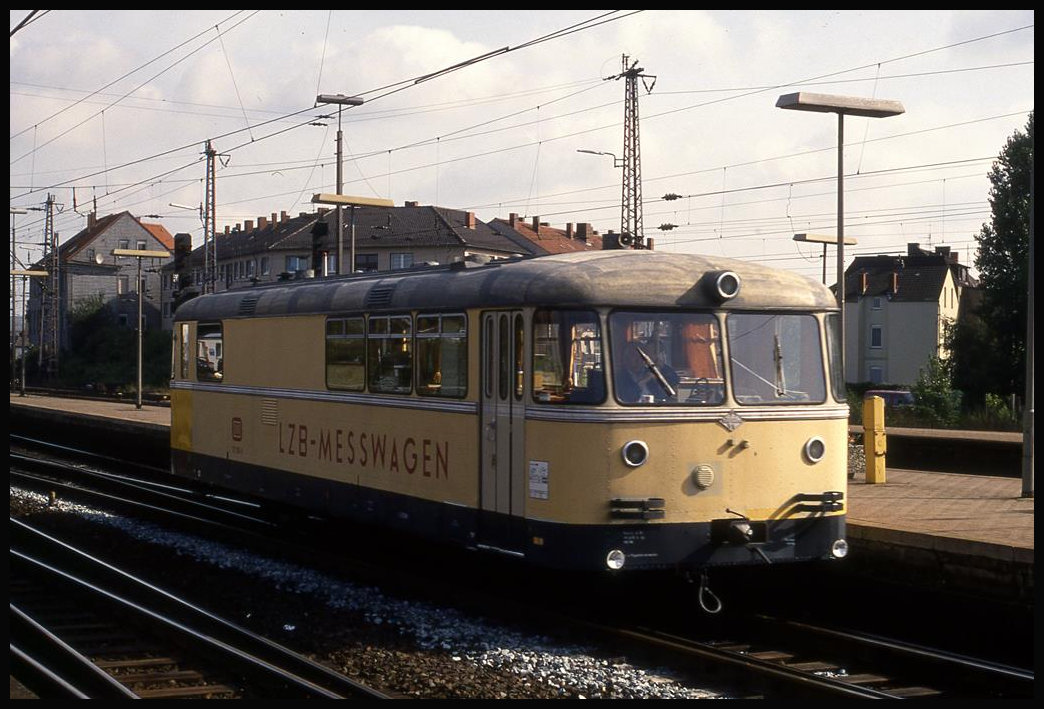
874 442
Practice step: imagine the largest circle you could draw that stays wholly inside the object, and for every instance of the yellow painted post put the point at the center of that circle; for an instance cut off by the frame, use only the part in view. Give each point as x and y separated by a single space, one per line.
874 443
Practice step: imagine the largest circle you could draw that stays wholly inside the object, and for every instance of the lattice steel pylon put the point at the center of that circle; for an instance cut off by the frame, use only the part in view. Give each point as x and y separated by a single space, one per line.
51 301
631 230
210 226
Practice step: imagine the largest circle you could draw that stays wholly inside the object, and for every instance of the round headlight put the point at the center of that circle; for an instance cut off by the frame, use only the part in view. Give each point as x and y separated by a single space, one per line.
815 449
839 549
635 453
615 560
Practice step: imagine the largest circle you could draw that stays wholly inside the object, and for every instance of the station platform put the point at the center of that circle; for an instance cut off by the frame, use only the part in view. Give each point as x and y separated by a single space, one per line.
942 529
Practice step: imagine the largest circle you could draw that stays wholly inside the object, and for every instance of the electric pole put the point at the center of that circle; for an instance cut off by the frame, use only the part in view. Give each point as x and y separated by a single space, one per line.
51 300
209 284
631 230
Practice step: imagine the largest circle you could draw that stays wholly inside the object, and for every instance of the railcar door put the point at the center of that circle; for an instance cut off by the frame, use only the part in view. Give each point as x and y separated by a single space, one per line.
502 480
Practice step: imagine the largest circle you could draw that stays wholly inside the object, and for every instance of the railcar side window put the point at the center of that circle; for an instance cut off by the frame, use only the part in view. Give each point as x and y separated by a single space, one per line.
666 358
389 354
346 353
567 357
833 338
210 357
442 355
775 359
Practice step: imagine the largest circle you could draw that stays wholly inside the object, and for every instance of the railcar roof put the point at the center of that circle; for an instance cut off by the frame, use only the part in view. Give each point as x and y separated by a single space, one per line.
625 278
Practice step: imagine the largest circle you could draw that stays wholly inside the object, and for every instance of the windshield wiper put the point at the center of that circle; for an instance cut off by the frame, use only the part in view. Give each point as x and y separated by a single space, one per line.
657 373
781 386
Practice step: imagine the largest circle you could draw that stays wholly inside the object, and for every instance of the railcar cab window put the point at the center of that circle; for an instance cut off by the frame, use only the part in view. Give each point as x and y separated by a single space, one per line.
666 358
568 366
389 355
833 339
346 353
210 358
775 359
442 355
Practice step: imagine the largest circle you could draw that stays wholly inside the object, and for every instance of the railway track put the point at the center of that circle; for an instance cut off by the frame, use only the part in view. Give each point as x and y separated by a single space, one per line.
783 659
763 657
82 627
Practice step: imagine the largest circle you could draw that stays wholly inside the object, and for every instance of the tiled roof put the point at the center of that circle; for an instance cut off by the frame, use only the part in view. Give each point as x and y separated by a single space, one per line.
548 239
901 278
162 235
406 227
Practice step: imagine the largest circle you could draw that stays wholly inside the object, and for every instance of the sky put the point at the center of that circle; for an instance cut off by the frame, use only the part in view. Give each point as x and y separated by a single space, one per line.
486 111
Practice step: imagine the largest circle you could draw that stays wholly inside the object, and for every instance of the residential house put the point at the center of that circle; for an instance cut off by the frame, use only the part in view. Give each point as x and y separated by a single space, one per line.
896 312
305 246
88 270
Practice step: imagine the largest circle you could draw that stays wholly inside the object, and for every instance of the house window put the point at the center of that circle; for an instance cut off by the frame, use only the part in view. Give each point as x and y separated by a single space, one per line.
296 263
140 245
876 337
265 270
366 262
250 268
122 285
876 303
123 244
401 260
90 255
876 375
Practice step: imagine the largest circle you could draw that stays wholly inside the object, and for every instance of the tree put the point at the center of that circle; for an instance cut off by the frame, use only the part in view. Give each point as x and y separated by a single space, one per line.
935 401
1003 260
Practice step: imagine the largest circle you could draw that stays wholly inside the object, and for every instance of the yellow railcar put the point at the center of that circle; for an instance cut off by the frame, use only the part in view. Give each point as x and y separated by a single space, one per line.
613 410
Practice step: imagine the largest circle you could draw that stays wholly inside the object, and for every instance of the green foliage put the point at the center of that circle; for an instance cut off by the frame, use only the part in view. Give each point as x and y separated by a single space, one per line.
935 401
104 355
1003 263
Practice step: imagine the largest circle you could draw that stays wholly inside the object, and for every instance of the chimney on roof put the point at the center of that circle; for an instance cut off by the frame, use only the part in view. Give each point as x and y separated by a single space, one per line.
944 251
274 220
283 216
650 243
569 230
913 249
469 220
248 225
513 220
582 231
536 225
411 203
227 229
262 222
92 219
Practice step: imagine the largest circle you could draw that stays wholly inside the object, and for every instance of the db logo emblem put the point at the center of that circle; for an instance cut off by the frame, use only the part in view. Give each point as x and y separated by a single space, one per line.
237 429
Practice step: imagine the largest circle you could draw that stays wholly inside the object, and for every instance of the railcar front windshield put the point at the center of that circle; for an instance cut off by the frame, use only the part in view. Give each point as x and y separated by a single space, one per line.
775 358
666 358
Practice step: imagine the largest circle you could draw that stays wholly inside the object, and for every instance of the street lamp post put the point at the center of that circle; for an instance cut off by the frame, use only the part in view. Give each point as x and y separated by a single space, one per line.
339 201
14 312
841 105
340 100
825 240
24 275
140 254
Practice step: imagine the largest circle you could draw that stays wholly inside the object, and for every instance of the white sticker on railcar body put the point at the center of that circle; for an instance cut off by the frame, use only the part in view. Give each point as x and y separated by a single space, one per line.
538 479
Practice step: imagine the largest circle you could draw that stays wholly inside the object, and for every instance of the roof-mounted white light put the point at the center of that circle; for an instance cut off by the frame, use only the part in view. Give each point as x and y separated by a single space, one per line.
722 285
